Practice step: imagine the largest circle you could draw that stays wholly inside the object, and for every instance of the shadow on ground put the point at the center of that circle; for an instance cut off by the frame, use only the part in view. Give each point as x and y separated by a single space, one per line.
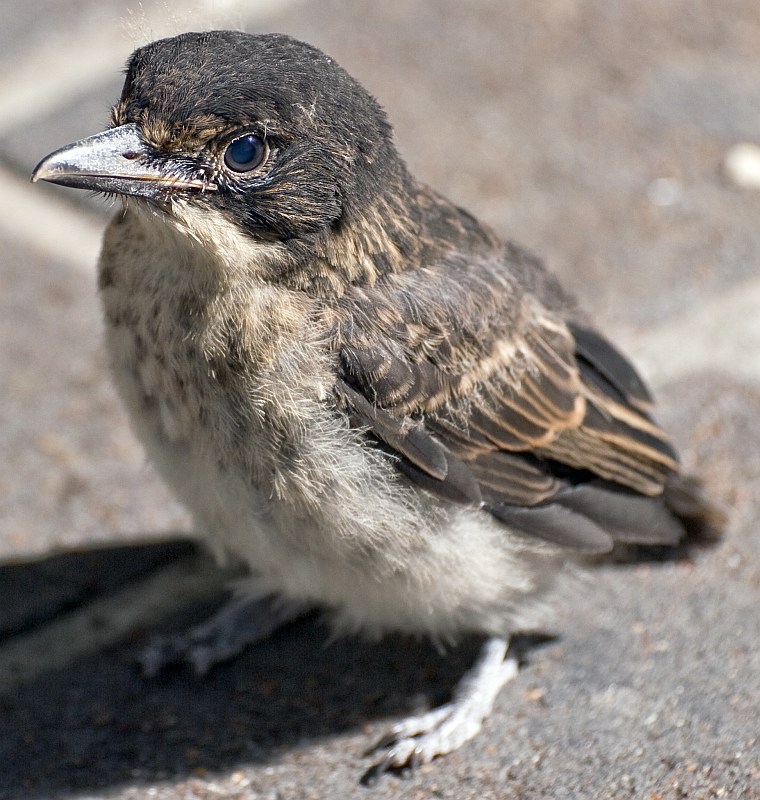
96 724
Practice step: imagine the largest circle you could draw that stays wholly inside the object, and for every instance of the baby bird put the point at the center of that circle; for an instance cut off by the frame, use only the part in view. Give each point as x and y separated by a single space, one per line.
358 389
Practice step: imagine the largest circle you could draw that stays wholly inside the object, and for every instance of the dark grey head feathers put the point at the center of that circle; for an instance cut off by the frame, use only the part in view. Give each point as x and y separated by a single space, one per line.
329 145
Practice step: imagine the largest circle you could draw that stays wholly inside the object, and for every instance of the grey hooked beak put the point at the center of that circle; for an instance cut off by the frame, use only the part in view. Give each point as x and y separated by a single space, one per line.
117 160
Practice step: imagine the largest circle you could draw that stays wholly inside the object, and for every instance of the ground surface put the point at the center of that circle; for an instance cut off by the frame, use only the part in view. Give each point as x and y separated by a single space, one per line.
593 132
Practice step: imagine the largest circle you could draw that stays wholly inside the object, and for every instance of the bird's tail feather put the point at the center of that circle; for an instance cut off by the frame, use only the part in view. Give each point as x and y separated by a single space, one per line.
703 519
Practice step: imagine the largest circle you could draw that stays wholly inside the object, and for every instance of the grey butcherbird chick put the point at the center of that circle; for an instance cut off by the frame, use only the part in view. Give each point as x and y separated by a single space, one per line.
356 387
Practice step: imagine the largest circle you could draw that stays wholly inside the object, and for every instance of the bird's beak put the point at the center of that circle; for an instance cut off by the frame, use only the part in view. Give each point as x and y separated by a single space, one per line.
117 160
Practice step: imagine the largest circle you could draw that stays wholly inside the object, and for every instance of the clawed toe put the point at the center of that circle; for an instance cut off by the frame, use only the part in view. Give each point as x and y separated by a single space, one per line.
419 739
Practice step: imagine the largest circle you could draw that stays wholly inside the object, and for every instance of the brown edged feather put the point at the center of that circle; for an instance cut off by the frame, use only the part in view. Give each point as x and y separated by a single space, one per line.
469 372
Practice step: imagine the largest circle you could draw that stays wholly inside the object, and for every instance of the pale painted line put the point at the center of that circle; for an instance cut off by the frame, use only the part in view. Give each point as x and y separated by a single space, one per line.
64 66
57 231
722 336
107 620
65 63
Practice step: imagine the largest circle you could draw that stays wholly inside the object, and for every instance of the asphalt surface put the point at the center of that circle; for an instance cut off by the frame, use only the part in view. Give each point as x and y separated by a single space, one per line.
596 133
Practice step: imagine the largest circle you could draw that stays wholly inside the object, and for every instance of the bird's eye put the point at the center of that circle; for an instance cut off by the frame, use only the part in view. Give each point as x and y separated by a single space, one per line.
245 153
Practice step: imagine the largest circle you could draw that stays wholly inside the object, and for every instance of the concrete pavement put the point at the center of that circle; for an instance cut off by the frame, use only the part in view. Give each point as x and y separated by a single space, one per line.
596 134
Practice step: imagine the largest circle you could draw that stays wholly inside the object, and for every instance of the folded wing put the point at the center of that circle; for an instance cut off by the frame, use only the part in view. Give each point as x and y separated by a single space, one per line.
540 422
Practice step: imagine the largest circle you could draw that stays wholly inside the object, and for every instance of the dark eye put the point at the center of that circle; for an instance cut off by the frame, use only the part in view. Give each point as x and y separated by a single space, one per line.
245 153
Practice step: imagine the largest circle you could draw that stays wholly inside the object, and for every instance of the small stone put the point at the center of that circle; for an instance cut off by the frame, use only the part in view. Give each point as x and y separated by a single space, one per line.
734 561
742 165
665 192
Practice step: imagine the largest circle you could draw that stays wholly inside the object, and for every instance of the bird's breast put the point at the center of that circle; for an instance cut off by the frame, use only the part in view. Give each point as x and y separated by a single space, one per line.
226 366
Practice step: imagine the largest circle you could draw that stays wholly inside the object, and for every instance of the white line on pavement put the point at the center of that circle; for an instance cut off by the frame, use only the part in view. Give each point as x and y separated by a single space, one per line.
722 334
106 620
56 230
66 63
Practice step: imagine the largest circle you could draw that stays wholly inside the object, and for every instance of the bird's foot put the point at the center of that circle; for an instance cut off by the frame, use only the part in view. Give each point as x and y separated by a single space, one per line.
243 621
419 739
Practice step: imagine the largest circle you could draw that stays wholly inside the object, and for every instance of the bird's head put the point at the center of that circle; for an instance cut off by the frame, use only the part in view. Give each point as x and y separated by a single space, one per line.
262 134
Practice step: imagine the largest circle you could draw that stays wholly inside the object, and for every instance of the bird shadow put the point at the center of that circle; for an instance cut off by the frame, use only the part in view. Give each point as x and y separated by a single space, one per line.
95 723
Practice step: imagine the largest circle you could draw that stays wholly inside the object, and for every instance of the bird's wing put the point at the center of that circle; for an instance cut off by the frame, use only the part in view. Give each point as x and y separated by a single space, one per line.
487 396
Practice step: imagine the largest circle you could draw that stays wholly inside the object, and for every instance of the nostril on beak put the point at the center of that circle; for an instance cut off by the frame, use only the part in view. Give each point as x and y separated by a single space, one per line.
130 155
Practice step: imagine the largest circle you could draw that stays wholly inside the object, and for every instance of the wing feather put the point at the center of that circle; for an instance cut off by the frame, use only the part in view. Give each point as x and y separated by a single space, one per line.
411 441
541 421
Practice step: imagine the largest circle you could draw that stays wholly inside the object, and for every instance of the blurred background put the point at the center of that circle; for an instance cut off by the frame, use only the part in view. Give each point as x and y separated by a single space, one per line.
618 140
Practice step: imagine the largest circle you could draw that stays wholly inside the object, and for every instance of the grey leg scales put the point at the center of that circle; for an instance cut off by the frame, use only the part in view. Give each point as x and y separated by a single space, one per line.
241 622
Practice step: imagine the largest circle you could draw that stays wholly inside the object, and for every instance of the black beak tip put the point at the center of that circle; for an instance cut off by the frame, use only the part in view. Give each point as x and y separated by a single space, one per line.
49 169
37 172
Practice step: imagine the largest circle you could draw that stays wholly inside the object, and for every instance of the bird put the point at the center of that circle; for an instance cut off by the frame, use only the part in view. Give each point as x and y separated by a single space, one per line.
364 395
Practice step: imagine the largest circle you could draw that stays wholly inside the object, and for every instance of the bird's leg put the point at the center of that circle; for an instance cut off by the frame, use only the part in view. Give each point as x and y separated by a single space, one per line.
419 739
242 621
